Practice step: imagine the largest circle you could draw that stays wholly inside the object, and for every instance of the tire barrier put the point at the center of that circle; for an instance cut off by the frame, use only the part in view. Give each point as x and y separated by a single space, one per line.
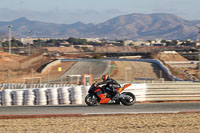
52 96
17 97
6 97
42 96
30 86
29 97
85 91
76 95
178 91
63 95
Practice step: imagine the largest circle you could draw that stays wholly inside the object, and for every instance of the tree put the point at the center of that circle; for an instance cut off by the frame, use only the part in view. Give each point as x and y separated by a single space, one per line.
98 56
163 41
172 43
14 43
38 43
77 41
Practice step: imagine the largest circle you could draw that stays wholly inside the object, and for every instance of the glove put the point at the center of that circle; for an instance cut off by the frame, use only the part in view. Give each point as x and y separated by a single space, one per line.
95 84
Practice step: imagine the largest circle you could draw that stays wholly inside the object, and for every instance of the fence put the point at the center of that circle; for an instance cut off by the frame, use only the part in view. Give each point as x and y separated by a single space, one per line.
43 94
171 91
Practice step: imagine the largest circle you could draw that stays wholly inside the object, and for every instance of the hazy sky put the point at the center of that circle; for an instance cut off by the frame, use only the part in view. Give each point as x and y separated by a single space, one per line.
93 11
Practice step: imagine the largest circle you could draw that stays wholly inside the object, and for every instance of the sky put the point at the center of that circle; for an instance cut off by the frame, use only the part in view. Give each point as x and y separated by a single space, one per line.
93 11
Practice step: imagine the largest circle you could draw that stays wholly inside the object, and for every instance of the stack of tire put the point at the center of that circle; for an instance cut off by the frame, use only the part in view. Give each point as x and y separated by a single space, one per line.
6 97
86 89
63 95
18 97
76 95
40 96
52 96
29 97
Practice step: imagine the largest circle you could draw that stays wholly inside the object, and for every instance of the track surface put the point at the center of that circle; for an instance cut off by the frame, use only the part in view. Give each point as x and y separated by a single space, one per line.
97 69
102 109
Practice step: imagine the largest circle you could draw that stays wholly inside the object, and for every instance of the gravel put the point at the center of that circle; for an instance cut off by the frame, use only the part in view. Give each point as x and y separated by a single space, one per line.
141 123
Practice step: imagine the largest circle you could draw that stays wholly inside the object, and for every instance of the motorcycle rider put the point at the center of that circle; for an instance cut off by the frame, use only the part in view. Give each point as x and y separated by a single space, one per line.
111 85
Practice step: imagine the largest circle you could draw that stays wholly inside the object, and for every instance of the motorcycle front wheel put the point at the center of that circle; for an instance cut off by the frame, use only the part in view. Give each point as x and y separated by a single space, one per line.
91 100
128 101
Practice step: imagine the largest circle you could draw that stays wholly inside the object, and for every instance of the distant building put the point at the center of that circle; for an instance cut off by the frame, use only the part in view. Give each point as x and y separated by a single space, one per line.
128 42
31 40
142 43
27 40
197 43
88 46
158 41
93 40
65 44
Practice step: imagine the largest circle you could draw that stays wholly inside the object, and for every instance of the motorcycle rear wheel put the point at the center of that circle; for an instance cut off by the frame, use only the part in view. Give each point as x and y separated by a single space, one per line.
91 100
128 102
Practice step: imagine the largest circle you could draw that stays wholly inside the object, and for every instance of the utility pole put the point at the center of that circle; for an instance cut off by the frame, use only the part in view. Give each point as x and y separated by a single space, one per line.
10 37
198 36
48 78
29 47
31 76
8 76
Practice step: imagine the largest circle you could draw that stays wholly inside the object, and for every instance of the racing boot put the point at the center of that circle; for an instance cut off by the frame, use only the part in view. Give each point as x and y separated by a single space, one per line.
115 95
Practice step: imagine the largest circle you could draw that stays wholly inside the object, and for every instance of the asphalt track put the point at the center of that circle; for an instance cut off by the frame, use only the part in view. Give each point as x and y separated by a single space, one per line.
138 108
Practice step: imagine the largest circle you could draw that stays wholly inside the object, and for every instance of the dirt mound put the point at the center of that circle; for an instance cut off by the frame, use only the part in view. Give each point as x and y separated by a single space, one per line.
114 49
169 56
62 49
53 73
133 70
9 61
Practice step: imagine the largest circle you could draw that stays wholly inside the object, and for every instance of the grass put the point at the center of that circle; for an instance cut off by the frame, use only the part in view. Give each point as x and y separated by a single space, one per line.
112 66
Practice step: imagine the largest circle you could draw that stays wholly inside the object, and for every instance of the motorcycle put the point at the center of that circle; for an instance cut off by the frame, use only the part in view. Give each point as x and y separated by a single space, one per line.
126 98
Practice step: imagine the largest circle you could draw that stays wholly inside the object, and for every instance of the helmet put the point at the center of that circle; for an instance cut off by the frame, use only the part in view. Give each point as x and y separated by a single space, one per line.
105 77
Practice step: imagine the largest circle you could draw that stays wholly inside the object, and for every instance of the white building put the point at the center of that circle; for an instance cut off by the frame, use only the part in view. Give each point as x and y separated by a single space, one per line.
128 42
30 40
93 40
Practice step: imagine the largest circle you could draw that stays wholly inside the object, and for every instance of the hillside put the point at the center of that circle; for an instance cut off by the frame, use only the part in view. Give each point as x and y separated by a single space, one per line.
169 57
134 70
132 26
8 61
148 26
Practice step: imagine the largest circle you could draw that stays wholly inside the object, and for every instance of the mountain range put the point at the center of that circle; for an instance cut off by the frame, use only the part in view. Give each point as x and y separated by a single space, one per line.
131 26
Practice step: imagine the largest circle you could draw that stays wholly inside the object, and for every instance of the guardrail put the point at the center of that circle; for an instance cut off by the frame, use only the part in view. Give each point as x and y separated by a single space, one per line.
56 62
166 91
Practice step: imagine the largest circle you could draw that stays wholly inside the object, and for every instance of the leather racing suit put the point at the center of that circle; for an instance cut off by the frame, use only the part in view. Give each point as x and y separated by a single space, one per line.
110 85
